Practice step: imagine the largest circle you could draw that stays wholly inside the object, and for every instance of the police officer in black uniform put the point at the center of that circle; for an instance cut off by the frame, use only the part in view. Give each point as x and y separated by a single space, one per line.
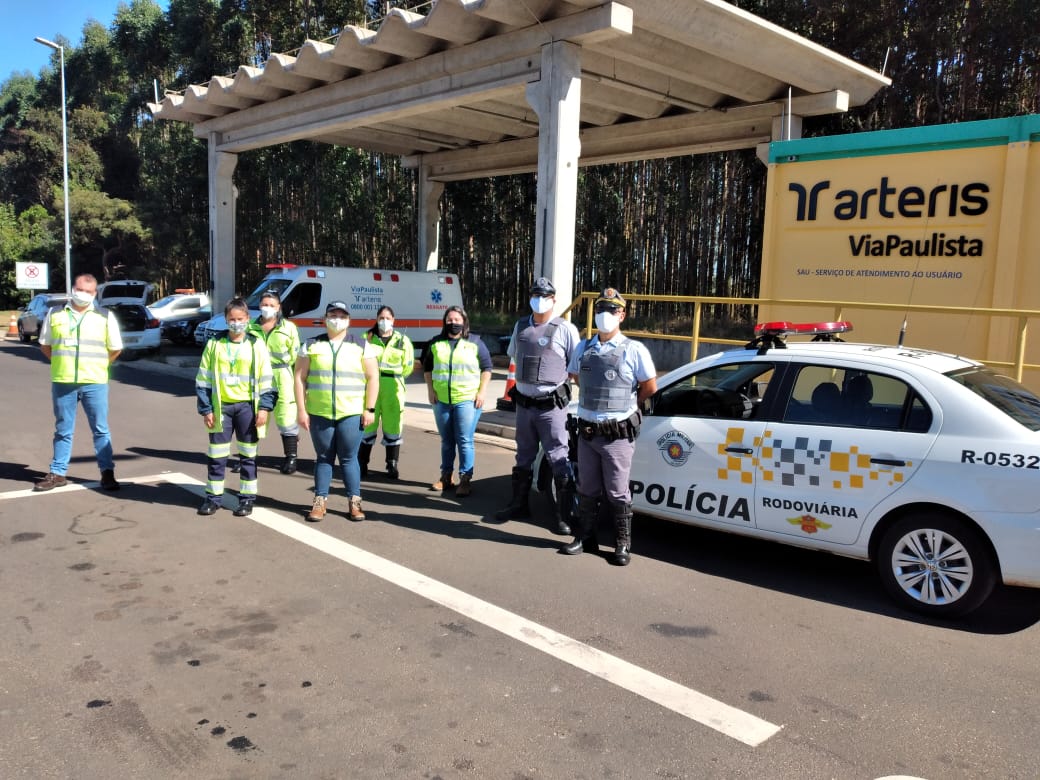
541 348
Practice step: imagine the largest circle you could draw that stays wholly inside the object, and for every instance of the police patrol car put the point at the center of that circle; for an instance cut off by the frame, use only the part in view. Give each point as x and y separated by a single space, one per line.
925 463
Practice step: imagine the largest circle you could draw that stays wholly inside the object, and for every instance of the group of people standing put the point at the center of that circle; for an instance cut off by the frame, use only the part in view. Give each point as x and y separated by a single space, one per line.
342 392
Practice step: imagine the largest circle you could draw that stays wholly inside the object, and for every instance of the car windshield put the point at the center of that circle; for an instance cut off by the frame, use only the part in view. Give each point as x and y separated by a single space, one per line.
268 285
163 301
1012 398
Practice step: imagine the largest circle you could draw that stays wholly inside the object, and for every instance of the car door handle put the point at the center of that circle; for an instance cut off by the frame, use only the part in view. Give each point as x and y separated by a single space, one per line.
740 450
888 462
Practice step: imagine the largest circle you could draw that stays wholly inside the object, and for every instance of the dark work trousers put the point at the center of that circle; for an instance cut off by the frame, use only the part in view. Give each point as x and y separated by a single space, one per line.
604 467
238 420
548 426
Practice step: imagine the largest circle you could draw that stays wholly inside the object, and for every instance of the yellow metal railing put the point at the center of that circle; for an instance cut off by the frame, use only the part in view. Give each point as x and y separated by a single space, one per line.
1020 316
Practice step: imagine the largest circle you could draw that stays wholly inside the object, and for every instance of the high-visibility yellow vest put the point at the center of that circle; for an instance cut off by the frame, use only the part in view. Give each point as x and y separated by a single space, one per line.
456 370
335 378
79 346
397 357
233 373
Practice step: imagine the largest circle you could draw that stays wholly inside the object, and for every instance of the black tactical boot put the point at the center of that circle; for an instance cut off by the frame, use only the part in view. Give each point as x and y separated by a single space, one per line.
623 524
584 522
393 452
363 454
289 447
566 494
517 507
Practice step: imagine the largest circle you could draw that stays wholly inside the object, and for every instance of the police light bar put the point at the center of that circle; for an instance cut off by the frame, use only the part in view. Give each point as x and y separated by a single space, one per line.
281 266
784 327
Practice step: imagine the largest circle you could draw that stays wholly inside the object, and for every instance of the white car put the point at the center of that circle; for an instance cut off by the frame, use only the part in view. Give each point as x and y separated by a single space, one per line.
925 463
179 306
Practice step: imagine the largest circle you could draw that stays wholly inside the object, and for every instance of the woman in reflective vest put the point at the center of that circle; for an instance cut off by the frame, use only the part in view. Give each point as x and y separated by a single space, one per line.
283 342
234 391
337 381
457 369
396 360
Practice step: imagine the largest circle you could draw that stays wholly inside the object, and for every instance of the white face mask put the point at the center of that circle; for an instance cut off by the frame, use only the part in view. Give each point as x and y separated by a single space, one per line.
337 324
80 298
607 322
385 326
237 327
541 305
267 312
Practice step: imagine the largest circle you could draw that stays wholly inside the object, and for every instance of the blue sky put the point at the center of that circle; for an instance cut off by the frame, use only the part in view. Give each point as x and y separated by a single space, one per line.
23 20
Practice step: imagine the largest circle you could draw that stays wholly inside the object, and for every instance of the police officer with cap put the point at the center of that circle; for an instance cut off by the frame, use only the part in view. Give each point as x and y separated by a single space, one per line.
615 374
541 347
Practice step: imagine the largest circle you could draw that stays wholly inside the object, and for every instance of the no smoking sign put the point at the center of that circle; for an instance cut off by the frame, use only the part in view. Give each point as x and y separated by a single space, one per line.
31 276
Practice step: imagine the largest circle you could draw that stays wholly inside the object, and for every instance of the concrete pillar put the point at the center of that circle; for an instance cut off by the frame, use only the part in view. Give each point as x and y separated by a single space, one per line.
556 98
429 221
221 224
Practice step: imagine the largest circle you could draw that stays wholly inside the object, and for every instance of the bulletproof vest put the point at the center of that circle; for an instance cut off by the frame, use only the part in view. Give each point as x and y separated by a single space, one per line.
537 363
603 389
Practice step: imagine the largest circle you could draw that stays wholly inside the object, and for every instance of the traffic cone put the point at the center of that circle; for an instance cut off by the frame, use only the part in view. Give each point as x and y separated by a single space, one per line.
506 403
12 329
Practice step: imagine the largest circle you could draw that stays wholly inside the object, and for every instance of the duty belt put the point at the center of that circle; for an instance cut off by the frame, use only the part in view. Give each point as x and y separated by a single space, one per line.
611 429
557 399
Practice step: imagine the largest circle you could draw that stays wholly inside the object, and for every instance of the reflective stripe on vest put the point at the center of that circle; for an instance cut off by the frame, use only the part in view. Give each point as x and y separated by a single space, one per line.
456 370
335 380
79 347
283 342
392 357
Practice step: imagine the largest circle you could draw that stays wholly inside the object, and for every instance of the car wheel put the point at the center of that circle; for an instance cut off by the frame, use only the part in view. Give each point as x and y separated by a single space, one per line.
936 564
22 335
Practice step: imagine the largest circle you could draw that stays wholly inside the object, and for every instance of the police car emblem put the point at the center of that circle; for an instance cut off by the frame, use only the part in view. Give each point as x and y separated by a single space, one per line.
675 448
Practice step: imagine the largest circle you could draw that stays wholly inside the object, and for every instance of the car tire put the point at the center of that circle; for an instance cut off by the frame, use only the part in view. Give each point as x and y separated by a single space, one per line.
936 564
22 335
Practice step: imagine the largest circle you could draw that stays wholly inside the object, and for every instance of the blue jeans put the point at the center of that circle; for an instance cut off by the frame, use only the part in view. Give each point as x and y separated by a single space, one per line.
66 397
456 424
332 438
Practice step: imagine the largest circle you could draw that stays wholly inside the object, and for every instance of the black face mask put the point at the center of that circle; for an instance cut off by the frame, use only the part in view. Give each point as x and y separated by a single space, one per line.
454 328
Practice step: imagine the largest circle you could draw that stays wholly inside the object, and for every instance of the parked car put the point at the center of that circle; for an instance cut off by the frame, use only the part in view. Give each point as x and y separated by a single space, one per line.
924 463
139 329
181 329
32 316
178 306
202 333
123 291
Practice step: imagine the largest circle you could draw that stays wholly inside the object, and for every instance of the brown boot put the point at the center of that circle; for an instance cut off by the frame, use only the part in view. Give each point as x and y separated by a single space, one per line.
355 512
464 488
317 513
444 483
50 482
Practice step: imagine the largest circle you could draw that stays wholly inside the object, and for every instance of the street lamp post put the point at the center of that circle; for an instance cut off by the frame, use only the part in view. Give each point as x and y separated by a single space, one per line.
65 163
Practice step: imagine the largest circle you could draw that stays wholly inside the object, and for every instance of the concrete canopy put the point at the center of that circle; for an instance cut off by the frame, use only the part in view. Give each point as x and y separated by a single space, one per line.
476 88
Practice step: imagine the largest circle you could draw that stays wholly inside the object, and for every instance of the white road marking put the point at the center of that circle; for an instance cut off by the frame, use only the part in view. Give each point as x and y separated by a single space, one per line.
687 702
74 486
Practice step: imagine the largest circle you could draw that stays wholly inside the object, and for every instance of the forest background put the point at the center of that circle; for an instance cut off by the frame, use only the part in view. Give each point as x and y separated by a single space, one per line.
689 225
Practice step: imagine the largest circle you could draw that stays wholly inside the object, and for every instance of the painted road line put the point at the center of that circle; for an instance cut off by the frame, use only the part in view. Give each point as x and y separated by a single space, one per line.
74 486
687 702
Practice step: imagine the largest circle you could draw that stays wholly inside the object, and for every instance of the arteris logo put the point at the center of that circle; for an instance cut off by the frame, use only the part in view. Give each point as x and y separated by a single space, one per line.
675 448
809 523
888 202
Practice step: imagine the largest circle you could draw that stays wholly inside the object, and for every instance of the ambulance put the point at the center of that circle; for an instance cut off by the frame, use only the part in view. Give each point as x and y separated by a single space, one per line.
418 298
